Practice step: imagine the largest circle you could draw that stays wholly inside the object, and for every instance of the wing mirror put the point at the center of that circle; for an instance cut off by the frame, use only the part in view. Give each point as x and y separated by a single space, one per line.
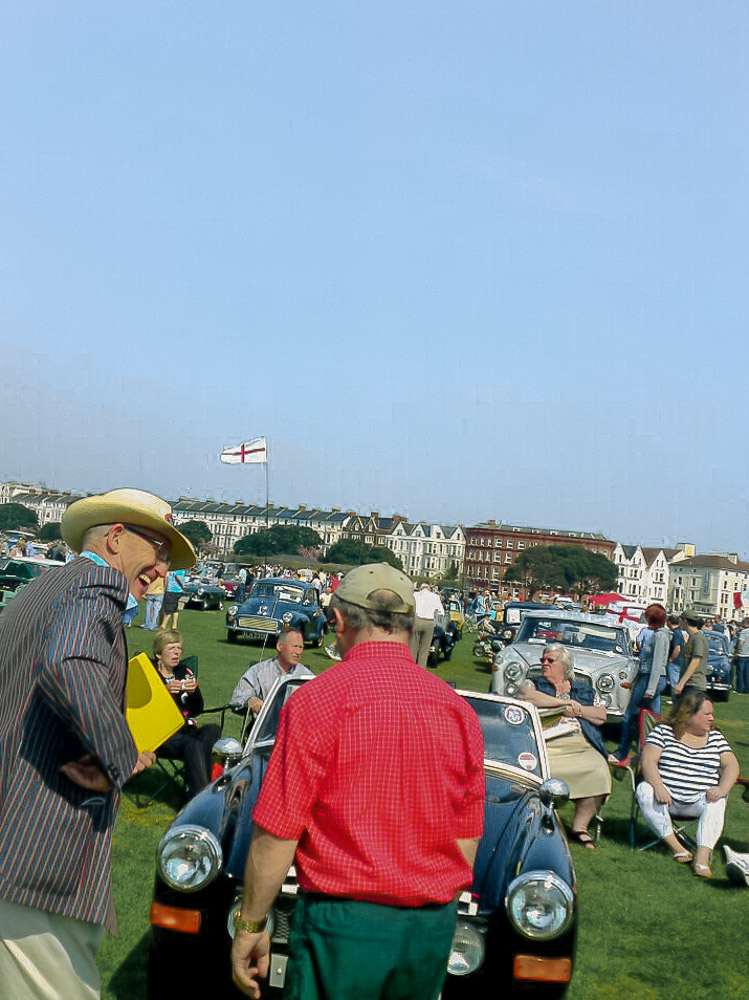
227 750
554 792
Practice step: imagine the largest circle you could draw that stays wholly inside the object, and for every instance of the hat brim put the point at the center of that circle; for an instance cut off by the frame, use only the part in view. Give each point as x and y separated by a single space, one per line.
91 511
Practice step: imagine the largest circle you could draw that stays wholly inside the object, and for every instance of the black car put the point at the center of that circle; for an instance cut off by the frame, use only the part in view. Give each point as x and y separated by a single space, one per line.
516 926
444 637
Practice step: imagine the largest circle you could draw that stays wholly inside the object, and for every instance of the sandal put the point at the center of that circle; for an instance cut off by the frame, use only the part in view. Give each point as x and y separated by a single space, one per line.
702 871
683 857
584 838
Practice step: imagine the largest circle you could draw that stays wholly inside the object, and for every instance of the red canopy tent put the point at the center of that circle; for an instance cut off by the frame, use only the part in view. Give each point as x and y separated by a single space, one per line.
604 599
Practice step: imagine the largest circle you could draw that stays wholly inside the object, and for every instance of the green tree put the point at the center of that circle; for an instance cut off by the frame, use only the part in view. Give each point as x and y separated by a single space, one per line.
15 515
348 550
50 532
536 569
563 567
197 532
280 539
381 553
585 572
356 553
451 573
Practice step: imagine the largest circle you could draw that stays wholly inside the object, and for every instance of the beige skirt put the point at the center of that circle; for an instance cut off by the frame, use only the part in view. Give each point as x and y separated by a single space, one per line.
574 760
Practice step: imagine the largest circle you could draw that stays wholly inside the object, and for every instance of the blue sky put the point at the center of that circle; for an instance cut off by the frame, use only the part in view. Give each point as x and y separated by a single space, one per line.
455 261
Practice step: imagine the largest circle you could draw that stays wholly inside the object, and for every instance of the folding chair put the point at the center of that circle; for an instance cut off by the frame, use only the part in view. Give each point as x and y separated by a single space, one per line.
632 768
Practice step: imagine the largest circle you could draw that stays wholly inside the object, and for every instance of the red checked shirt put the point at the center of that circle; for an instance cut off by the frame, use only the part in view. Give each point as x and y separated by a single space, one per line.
377 772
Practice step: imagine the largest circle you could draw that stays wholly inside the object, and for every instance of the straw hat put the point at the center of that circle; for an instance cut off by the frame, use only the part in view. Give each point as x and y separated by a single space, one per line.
126 507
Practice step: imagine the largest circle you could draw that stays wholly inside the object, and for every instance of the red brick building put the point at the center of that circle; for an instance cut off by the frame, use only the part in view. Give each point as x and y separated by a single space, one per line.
492 547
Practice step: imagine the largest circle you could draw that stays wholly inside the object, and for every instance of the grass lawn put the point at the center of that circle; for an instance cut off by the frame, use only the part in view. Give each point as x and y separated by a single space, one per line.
649 930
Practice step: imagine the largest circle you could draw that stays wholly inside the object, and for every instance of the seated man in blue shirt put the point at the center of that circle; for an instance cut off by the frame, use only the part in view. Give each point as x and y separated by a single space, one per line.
255 683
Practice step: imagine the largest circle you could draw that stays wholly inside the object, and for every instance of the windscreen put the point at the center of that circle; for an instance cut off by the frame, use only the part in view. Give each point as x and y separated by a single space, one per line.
579 635
509 736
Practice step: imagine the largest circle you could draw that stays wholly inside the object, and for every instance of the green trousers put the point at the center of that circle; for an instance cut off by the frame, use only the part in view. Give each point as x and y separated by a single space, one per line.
341 949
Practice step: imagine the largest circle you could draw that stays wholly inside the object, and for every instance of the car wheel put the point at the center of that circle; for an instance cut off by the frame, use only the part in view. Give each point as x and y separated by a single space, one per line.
448 653
231 636
478 650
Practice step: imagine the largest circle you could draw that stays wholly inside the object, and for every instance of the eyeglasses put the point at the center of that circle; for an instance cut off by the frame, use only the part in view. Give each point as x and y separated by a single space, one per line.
548 659
162 548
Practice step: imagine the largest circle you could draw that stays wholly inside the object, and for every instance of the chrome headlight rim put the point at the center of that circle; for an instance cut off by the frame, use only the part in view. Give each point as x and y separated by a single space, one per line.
183 836
605 682
287 616
513 670
464 961
233 611
552 883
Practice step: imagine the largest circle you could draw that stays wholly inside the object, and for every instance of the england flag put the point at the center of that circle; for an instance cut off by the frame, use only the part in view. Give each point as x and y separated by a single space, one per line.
250 451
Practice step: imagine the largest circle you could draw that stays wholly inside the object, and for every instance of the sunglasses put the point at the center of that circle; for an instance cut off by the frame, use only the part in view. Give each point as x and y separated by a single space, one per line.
548 659
161 548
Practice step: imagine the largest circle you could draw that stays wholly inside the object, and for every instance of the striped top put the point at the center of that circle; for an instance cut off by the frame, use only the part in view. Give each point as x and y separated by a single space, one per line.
687 772
63 666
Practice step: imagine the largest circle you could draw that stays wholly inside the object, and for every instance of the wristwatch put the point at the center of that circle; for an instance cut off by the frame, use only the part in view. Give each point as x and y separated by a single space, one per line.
249 926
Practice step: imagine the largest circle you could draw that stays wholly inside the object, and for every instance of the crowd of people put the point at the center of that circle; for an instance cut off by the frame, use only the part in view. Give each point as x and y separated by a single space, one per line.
66 753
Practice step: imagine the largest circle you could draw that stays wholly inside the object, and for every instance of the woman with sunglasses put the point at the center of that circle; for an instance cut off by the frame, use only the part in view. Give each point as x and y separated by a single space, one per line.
575 746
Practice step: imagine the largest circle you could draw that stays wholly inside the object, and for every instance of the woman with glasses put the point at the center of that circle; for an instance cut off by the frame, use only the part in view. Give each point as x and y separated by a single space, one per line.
574 743
193 744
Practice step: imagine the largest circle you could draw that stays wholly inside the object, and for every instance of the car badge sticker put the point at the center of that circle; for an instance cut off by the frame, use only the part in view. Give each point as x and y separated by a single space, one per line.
514 715
527 761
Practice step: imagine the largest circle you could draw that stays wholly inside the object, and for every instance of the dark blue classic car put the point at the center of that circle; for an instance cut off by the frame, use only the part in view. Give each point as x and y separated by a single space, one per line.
275 605
718 665
517 924
203 594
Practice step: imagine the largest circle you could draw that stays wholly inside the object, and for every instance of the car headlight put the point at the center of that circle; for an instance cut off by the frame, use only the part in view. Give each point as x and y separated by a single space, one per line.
189 858
467 950
232 611
200 592
623 675
539 904
513 671
287 616
605 682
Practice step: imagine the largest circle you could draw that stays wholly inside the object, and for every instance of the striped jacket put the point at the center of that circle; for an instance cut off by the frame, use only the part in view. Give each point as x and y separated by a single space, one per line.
63 666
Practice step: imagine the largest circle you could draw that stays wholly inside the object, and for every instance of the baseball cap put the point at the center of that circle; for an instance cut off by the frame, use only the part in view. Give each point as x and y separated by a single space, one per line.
693 617
358 584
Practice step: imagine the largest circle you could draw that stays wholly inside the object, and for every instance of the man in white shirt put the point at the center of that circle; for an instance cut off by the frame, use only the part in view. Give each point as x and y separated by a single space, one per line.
428 604
255 683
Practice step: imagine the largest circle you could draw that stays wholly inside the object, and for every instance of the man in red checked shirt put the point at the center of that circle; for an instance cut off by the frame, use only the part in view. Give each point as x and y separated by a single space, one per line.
375 790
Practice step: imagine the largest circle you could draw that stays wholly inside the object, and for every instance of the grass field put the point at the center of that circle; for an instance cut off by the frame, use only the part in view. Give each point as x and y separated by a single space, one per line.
649 930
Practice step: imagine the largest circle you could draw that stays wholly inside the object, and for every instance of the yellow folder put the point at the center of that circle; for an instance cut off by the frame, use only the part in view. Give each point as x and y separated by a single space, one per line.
151 713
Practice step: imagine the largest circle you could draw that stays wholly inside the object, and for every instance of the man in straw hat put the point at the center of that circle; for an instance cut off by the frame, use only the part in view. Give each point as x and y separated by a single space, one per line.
375 789
65 748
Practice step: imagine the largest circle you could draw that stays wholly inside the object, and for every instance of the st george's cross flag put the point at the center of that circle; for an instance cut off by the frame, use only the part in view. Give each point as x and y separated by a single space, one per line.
250 451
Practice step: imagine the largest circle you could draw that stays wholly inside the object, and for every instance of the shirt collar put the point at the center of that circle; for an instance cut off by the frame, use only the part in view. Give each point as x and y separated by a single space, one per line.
131 609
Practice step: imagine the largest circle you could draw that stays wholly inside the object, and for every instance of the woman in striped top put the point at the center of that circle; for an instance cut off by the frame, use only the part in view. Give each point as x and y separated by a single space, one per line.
688 769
